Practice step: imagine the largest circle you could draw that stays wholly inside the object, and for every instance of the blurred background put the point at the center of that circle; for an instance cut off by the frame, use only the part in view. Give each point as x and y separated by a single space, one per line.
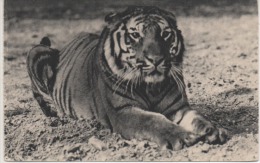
91 9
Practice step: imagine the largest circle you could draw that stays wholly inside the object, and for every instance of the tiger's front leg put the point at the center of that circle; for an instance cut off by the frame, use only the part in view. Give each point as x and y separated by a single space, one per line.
134 122
194 122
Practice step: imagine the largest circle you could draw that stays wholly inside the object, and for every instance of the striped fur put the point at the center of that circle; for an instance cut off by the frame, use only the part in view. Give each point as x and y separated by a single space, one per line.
129 78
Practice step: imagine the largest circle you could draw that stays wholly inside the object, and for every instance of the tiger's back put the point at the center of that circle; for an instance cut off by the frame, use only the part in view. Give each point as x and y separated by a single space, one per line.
75 84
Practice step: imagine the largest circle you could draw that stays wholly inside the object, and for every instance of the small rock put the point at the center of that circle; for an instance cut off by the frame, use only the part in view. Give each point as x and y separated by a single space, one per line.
143 144
9 58
34 36
140 144
251 98
73 148
7 121
216 157
200 142
133 154
218 47
146 145
242 55
54 123
169 154
205 148
185 154
153 145
105 132
98 144
180 158
194 150
125 144
6 72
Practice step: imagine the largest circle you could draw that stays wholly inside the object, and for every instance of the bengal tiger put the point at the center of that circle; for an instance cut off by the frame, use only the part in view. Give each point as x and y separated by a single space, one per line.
129 78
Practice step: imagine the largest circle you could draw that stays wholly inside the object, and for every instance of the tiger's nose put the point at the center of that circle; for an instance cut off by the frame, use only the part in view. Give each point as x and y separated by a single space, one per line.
155 60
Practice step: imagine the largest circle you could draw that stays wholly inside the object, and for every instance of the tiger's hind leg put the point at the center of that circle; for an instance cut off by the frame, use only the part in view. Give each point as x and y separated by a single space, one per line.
41 64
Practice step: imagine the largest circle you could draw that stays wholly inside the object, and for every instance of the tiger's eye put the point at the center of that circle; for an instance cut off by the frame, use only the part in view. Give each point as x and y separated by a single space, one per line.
166 34
135 35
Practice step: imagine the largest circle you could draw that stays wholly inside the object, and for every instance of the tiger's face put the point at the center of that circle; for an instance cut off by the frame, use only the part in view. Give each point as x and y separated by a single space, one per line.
145 47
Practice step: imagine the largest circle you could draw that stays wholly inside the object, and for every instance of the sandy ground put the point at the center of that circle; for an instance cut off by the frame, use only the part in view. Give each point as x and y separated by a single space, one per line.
220 69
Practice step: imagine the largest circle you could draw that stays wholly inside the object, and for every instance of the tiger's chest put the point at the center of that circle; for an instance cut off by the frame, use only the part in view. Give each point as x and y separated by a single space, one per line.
148 97
158 98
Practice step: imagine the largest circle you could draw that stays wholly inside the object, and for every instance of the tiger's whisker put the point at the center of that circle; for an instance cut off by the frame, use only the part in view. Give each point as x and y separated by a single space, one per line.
182 83
182 86
133 81
136 81
127 75
178 82
178 70
132 71
120 81
110 76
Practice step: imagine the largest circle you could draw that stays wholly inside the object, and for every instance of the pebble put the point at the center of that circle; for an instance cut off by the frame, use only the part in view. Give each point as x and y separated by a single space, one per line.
201 143
141 144
124 143
185 154
205 148
180 158
98 144
74 148
7 121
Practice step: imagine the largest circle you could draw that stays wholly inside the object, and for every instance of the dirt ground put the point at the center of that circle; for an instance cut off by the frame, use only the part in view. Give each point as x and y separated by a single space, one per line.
220 71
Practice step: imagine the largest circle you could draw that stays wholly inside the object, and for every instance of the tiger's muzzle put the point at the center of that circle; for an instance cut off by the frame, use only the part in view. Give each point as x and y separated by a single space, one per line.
154 68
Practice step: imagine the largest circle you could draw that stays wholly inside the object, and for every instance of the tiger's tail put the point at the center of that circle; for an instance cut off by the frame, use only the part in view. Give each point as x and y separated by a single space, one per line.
41 66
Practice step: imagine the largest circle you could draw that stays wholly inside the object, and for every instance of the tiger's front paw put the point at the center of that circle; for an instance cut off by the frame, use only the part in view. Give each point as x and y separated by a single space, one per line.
217 136
197 124
177 139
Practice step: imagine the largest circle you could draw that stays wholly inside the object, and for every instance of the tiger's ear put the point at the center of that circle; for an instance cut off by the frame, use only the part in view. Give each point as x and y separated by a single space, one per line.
109 18
170 18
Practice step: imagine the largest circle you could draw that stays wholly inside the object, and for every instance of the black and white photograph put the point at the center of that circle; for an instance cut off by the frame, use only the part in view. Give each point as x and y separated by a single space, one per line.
130 80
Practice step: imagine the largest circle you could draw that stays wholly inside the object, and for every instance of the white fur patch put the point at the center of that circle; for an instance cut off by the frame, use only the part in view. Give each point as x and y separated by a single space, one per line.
186 121
116 43
112 65
154 78
110 59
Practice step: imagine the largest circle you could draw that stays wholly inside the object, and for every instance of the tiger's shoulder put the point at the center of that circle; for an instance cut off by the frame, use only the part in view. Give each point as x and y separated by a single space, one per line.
82 46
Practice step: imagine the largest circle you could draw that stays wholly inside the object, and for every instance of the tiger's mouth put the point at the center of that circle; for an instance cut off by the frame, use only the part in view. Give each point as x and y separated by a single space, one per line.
154 78
154 74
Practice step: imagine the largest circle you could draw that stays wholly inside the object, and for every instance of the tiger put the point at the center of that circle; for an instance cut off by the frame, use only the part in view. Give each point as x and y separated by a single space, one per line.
129 78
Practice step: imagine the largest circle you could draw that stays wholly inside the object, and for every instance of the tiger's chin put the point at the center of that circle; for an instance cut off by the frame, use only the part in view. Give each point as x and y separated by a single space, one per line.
154 78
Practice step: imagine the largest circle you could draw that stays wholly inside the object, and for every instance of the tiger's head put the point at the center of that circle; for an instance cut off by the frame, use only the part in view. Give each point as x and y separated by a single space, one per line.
143 45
